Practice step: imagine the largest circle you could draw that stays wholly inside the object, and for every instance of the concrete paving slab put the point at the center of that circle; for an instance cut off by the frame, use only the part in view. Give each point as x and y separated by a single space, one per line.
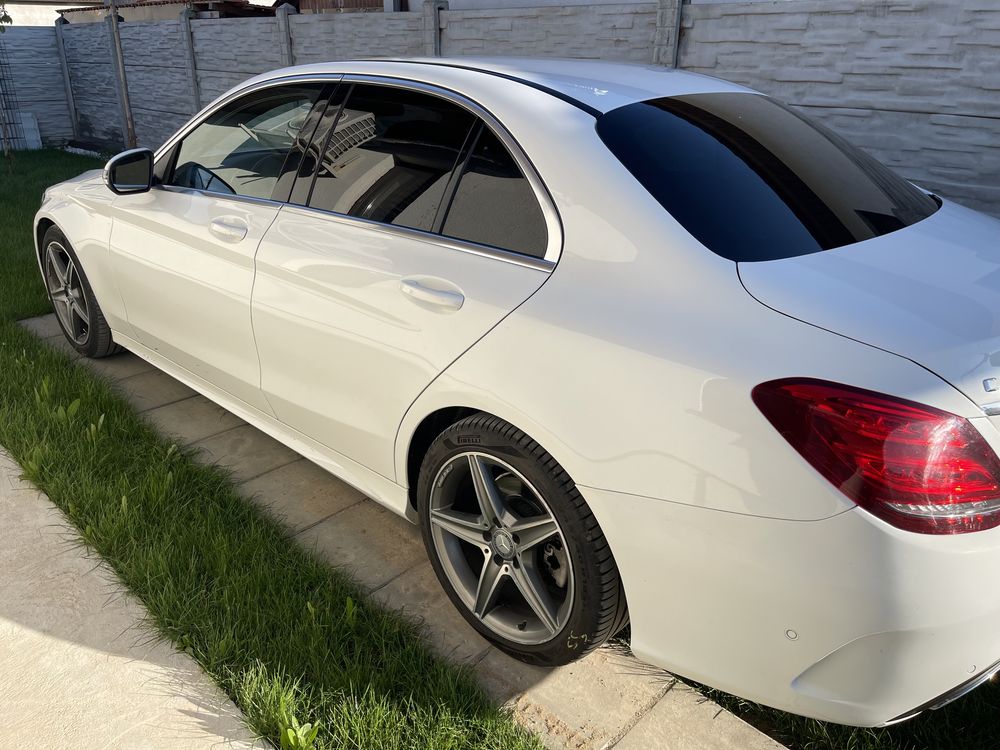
118 366
368 542
192 419
59 343
246 452
44 326
590 703
301 494
418 594
151 389
684 719
77 669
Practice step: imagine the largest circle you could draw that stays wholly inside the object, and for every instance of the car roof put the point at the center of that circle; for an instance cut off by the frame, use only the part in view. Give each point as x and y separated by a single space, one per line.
597 86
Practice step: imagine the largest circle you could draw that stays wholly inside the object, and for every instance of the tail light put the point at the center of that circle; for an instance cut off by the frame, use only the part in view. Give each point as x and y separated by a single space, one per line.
917 467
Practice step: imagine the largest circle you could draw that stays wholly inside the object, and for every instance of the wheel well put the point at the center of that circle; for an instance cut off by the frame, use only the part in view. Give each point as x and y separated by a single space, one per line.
432 425
40 230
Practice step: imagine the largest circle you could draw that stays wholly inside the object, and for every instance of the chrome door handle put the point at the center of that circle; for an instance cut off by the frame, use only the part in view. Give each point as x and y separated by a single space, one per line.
442 298
228 228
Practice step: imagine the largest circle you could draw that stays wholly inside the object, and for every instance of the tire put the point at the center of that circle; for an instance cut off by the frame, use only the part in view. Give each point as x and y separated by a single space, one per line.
80 317
525 562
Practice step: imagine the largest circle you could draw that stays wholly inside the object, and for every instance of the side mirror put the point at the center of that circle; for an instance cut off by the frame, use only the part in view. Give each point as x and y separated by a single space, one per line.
130 172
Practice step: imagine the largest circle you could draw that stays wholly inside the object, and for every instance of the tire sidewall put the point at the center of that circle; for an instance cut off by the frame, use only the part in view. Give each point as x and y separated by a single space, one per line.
485 435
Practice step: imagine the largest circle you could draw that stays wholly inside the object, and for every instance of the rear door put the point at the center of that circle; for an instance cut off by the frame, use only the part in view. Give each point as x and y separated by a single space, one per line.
419 230
183 253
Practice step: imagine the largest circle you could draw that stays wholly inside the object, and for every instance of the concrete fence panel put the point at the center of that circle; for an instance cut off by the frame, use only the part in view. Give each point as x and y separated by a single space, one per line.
158 81
38 80
611 32
92 75
231 50
338 36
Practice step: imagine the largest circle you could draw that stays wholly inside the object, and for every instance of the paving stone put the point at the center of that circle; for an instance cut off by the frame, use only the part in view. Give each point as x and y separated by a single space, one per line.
148 390
419 594
301 494
118 366
586 704
245 451
192 419
45 326
683 719
368 542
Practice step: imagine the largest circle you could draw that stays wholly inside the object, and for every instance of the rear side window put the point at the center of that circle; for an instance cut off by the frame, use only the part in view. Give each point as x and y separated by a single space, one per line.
494 204
390 155
754 180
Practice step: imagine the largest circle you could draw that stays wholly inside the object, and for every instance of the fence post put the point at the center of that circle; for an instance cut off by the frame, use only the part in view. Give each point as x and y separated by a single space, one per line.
285 32
67 81
432 26
118 61
666 43
187 38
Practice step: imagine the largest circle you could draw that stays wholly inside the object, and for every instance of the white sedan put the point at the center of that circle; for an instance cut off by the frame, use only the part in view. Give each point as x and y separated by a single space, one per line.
609 334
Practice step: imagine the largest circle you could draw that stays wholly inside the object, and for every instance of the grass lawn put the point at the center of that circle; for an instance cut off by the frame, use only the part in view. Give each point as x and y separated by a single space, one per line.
281 632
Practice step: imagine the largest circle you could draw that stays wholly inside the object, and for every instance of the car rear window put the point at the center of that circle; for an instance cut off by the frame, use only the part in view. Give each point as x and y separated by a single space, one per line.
754 180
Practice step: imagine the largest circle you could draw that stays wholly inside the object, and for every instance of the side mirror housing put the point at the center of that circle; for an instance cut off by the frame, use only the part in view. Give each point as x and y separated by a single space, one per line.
130 172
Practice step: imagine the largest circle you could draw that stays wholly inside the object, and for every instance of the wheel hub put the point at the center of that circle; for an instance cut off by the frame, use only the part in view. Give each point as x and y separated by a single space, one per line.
503 544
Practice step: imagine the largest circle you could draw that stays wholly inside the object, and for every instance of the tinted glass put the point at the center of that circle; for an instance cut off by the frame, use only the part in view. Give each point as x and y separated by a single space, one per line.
389 156
754 180
241 148
494 203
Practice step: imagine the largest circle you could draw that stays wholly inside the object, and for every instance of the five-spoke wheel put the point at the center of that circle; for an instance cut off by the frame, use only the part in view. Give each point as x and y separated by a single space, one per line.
514 544
73 300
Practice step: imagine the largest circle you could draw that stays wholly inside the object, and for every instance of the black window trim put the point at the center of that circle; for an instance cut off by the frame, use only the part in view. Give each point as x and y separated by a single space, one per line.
553 223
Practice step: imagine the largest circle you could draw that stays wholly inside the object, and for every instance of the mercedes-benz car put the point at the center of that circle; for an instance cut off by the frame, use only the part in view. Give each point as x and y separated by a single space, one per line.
631 345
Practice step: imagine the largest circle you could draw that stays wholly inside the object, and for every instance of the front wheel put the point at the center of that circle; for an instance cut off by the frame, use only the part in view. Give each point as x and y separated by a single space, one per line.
514 544
73 300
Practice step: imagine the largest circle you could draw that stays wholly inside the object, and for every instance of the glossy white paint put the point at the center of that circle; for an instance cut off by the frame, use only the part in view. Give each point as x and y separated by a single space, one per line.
631 362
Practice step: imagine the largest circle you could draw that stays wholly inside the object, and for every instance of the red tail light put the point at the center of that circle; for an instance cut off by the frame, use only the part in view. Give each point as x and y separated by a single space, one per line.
917 467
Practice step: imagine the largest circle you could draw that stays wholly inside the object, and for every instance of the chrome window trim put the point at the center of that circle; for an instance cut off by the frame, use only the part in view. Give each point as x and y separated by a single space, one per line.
438 240
553 223
225 196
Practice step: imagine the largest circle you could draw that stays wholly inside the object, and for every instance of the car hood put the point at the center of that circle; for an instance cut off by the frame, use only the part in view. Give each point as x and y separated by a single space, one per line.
929 292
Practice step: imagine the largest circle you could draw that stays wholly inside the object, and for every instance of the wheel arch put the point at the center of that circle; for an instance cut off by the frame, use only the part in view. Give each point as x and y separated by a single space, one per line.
43 226
432 425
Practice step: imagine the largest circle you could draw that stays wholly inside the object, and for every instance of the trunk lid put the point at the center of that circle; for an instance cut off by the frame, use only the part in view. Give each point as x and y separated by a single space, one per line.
929 292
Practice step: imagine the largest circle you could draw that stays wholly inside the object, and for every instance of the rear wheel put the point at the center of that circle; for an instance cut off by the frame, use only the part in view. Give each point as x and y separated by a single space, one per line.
76 308
514 544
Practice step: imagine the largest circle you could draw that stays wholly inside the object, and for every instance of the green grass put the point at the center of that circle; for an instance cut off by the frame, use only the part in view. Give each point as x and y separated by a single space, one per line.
283 634
287 637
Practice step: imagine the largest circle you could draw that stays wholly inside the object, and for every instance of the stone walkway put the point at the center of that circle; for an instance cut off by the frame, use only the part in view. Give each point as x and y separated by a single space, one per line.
77 667
605 700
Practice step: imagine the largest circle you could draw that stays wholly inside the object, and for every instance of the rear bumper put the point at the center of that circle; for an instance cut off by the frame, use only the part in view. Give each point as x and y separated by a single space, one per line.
845 619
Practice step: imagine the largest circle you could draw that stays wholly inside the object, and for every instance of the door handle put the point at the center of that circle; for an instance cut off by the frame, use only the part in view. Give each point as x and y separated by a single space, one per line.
443 298
228 228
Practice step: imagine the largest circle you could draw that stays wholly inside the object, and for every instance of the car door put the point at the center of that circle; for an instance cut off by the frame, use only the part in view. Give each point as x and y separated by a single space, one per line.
183 253
421 228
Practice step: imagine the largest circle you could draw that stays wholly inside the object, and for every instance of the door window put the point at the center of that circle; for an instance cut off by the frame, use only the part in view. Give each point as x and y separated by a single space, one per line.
240 148
390 155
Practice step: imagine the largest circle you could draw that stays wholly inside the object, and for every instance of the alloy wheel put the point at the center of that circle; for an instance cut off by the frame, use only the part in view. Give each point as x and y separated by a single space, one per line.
501 548
65 288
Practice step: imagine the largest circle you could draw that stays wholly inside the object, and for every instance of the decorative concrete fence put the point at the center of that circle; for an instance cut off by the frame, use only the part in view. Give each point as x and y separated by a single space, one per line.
914 81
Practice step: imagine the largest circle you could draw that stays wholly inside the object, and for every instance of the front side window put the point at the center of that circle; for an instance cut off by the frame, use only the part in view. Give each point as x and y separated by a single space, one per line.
754 180
240 148
390 155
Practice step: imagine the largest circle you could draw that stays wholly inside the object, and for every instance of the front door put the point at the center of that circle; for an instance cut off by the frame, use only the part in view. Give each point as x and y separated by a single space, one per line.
183 253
